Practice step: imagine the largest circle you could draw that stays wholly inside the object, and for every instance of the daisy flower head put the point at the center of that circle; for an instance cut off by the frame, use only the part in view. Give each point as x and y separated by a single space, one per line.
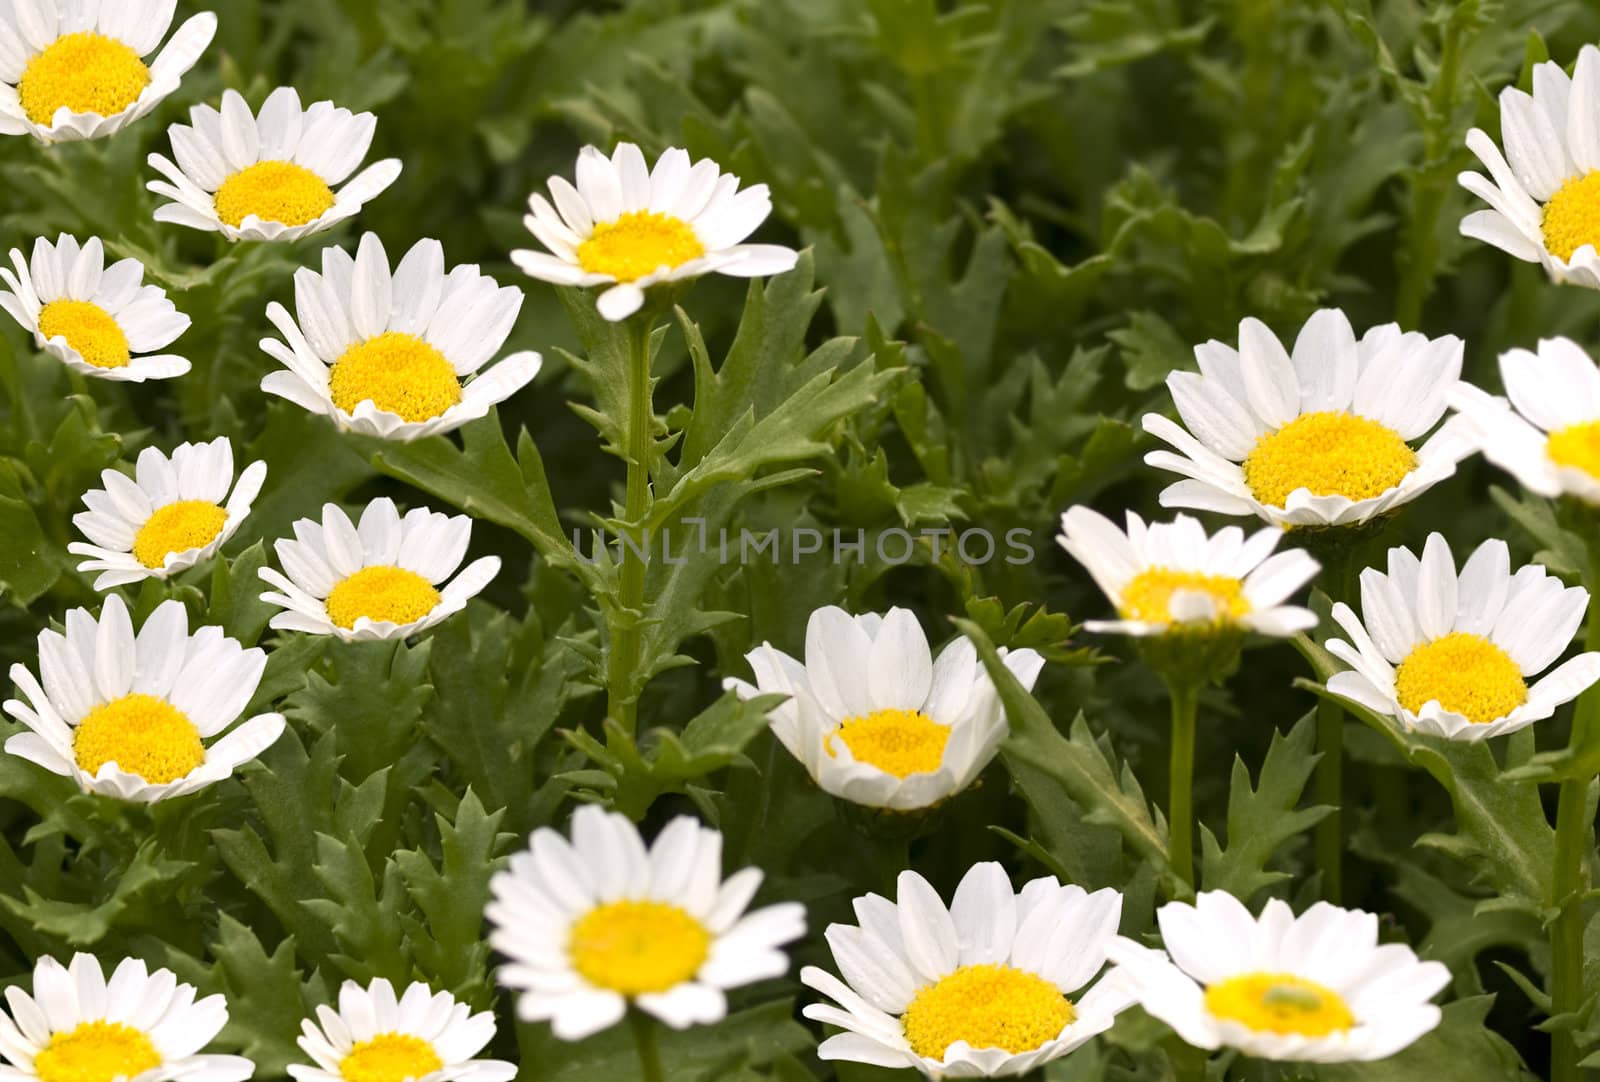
75 69
985 988
1315 988
1452 655
874 717
379 579
137 717
626 226
420 1035
396 354
77 1025
168 517
275 175
98 321
1319 437
1169 576
593 925
1544 191
1548 434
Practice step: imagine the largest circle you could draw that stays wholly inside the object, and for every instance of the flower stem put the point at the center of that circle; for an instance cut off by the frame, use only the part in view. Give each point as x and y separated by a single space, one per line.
622 700
644 1039
1180 800
1566 934
1330 793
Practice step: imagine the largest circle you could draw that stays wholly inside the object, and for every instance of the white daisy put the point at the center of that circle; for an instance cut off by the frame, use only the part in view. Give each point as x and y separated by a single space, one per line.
1546 200
74 69
1452 655
271 176
143 1026
1548 435
396 355
984 988
378 580
1321 438
135 717
422 1036
1170 574
874 718
1317 988
97 320
629 227
168 517
596 924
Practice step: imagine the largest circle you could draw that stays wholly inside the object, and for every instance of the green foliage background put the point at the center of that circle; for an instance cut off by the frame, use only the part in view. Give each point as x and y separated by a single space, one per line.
1020 214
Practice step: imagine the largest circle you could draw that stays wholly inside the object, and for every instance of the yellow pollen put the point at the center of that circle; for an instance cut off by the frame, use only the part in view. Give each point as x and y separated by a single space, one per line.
1467 674
638 243
1148 595
1572 217
1577 446
381 593
1332 454
1279 1003
638 947
96 1052
400 373
143 735
89 329
390 1057
86 72
898 742
177 527
274 192
988 1006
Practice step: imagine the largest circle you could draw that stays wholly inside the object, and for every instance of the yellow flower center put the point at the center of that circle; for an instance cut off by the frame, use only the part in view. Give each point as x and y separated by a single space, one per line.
401 373
143 735
96 1052
1332 454
898 742
89 329
638 243
1572 217
988 1006
1148 595
1468 674
1577 446
177 527
390 1057
86 72
274 192
381 593
1279 1003
638 947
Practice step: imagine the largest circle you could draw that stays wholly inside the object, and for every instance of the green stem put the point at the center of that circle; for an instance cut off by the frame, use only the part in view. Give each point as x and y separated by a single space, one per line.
1180 801
644 1039
1330 793
1566 934
622 700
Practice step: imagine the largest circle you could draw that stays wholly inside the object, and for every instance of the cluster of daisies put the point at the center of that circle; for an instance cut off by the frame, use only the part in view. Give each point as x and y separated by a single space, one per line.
594 923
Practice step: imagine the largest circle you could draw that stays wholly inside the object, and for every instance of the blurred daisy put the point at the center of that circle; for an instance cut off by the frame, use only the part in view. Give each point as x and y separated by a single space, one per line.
1452 655
1546 201
1169 575
628 227
422 1035
395 354
79 1027
874 717
378 580
1318 988
96 320
271 176
169 517
74 69
982 989
1321 438
596 924
134 717
1548 435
